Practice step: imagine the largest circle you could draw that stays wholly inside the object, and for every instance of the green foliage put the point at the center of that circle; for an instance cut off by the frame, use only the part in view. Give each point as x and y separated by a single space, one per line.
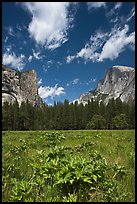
120 122
54 138
66 116
120 171
97 122
58 173
78 176
70 198
132 159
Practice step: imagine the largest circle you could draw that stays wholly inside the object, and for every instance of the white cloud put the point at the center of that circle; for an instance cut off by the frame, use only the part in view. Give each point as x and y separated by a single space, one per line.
131 14
114 20
36 55
8 48
92 80
47 91
50 23
120 19
30 58
117 5
114 11
49 62
40 81
16 62
96 5
73 82
19 27
107 45
89 52
11 31
69 58
116 44
6 39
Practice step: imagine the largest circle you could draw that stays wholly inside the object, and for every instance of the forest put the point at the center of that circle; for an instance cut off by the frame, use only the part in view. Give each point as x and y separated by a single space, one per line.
68 116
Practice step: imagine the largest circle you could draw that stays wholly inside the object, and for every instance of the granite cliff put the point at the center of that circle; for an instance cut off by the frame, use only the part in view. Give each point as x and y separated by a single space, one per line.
19 86
119 82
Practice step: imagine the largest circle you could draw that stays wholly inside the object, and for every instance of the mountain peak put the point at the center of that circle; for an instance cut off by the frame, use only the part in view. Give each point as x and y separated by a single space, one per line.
116 84
123 68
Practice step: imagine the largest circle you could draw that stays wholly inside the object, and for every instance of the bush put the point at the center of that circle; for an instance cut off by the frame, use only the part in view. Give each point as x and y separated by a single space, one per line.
97 122
120 122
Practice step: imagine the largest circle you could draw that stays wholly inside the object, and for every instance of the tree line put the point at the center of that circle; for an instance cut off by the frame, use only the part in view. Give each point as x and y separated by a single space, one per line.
68 116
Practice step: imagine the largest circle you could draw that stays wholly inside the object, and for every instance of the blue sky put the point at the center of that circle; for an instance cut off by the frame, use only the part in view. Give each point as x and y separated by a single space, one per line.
70 45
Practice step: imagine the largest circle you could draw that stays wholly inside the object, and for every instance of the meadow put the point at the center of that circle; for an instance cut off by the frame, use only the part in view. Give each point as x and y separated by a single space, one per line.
68 166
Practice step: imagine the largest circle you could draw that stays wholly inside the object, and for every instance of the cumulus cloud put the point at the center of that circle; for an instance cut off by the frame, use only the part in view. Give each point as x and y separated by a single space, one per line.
95 5
47 91
107 45
89 52
117 44
50 23
16 62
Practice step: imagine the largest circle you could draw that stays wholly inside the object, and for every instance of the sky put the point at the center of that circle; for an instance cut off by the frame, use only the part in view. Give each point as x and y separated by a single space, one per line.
70 45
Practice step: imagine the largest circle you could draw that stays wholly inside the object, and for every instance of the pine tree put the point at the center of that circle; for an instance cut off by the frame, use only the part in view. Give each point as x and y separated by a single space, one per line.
5 116
15 115
22 116
111 113
66 115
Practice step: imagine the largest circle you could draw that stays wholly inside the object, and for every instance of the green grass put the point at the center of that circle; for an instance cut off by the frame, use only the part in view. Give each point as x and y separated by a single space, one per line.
21 149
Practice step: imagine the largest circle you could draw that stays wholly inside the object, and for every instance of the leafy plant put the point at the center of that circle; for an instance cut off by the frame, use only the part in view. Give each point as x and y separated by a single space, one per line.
54 138
120 171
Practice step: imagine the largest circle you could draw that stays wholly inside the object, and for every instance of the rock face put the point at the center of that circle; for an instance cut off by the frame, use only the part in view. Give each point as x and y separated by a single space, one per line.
119 82
19 86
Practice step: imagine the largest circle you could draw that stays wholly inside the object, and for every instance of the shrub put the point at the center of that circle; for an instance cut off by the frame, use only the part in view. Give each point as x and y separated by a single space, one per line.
97 122
120 122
